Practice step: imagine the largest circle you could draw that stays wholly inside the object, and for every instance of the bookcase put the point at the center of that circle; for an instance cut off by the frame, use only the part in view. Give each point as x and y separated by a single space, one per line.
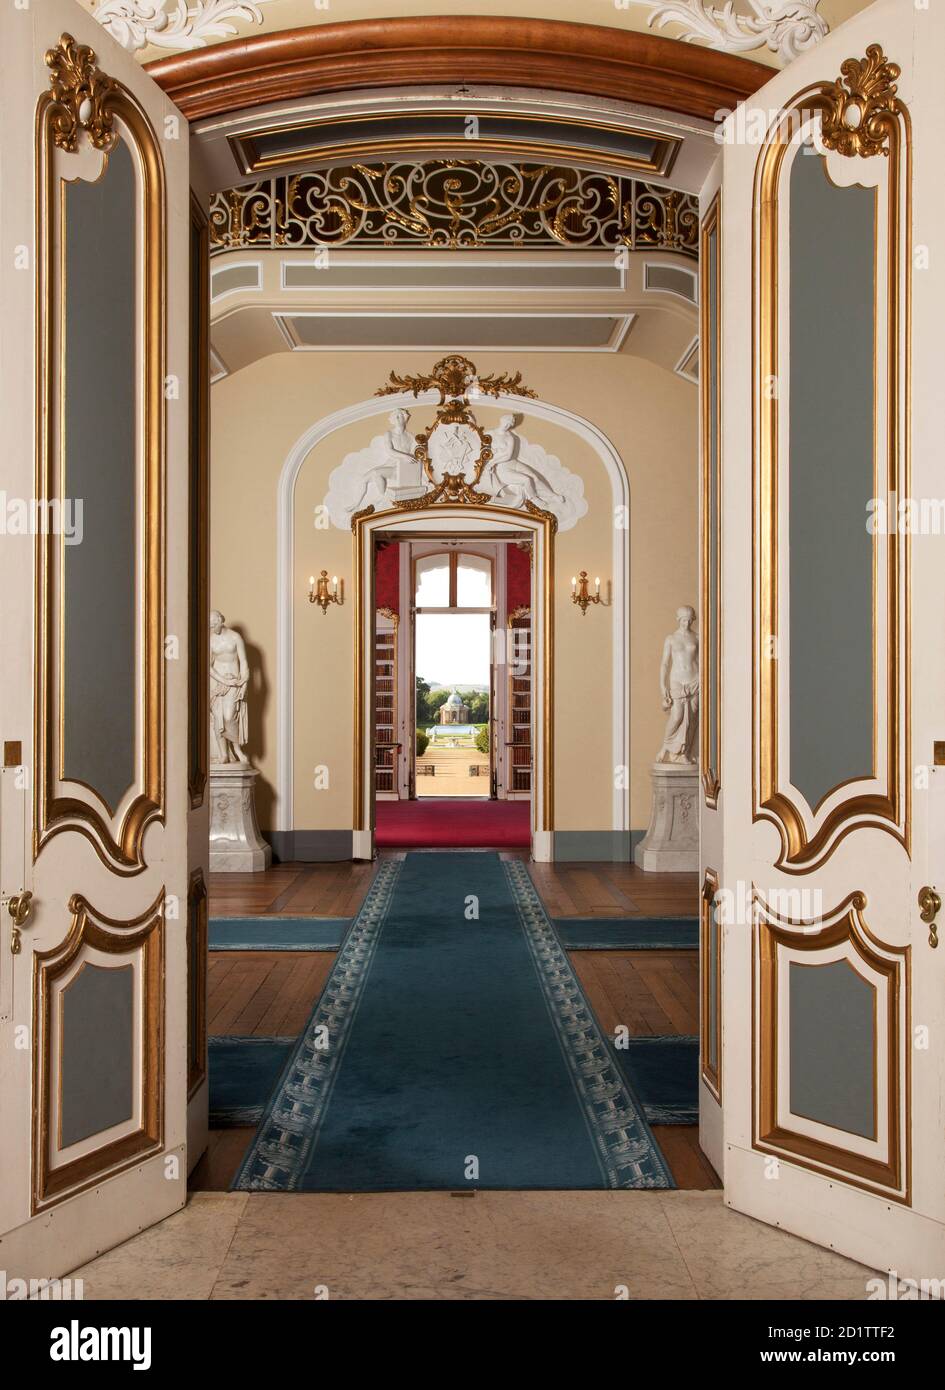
386 744
519 743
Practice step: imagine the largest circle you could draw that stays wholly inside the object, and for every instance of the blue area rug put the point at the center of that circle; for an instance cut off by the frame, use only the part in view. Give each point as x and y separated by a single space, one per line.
664 1074
452 1051
277 933
628 933
243 1074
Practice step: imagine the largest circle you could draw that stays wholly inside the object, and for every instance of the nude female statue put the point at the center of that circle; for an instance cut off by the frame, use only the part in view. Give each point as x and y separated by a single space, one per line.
229 677
679 690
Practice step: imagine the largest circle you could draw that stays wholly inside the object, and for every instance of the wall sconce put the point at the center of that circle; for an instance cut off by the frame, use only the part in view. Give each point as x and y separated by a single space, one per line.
579 594
324 591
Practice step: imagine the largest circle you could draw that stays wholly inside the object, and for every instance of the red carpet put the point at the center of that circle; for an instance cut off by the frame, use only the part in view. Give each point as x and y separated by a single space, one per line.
448 824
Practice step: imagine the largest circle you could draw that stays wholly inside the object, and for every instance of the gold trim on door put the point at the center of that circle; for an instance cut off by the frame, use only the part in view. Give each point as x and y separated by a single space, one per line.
198 665
197 936
141 937
709 353
711 1075
844 923
861 115
83 101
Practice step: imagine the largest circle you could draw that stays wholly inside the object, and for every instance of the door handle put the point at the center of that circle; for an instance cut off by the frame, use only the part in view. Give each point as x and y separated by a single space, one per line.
930 905
19 905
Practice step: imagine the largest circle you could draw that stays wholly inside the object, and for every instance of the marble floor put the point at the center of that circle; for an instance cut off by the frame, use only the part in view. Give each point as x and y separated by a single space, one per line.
494 1245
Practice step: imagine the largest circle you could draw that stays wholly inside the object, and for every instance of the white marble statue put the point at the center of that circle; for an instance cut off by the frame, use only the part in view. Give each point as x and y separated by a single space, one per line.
511 479
229 678
520 472
679 691
383 473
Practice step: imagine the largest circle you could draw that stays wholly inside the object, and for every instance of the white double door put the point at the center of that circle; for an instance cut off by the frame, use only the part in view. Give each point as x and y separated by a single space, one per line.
103 826
824 995
823 834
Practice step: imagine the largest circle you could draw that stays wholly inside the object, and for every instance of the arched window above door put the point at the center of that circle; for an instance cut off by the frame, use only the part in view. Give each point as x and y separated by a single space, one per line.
453 579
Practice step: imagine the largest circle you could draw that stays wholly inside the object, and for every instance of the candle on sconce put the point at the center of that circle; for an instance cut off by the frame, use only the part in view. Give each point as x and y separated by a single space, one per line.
324 591
580 592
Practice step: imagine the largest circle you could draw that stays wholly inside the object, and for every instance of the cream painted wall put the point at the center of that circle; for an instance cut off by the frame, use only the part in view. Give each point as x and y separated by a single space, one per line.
648 413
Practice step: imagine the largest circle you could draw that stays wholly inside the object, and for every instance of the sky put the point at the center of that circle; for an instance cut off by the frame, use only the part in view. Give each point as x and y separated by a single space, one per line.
453 648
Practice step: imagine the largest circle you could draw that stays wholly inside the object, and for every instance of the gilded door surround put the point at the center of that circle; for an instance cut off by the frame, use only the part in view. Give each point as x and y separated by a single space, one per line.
844 926
81 99
450 520
591 59
861 116
141 941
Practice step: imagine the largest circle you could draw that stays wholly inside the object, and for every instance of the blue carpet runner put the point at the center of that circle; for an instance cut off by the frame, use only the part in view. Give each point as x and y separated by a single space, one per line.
628 933
243 1074
452 1051
277 933
664 1074
576 933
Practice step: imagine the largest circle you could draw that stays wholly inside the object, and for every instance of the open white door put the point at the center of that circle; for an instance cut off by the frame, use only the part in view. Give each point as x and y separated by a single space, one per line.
833 658
97 1049
710 620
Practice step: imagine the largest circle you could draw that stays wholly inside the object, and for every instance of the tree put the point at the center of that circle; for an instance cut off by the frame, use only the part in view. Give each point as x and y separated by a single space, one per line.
423 702
436 698
478 702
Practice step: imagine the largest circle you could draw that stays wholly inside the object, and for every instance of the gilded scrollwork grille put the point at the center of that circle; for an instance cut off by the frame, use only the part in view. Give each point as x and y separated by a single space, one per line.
454 205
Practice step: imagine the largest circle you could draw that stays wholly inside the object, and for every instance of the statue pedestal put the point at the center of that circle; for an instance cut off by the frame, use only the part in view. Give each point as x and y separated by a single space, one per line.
671 844
236 845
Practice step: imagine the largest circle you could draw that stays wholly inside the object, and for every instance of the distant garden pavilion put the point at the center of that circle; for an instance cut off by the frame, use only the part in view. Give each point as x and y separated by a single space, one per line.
453 710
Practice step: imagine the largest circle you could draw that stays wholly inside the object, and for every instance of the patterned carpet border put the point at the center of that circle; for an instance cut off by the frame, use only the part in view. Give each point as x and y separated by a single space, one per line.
278 1156
626 1149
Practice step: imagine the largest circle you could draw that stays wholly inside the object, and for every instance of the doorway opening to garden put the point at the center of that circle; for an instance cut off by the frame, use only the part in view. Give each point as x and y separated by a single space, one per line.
457 769
453 628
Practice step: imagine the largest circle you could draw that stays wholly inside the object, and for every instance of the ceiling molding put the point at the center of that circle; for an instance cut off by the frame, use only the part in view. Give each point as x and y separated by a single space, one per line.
533 53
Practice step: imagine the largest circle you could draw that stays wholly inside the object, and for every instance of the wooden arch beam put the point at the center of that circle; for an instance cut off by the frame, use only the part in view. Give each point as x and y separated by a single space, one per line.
588 59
